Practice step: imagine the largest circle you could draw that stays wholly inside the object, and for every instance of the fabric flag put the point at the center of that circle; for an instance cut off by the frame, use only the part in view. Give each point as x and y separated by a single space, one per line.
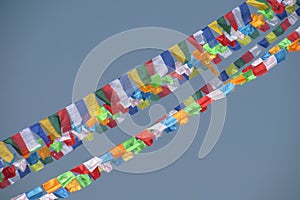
271 37
118 151
193 41
231 19
18 140
83 111
44 152
277 7
35 193
294 47
270 62
5 154
9 171
258 4
62 193
144 74
65 178
84 180
93 109
181 52
92 164
37 166
65 120
199 37
181 116
293 18
111 94
238 17
126 84
51 185
80 169
24 173
21 165
33 158
57 146
215 26
49 128
107 167
134 76
246 15
216 95
150 67
29 139
117 87
157 129
231 70
204 102
223 23
160 66
146 136
131 144
238 80
73 186
37 129
257 21
209 37
54 119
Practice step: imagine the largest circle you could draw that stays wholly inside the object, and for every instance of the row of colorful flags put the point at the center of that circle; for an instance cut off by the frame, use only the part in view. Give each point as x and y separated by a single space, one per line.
59 134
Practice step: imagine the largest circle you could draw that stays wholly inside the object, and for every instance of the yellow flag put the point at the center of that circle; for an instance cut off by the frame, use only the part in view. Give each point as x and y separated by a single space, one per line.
134 76
176 51
37 166
92 104
5 154
271 37
181 115
257 4
274 50
73 186
257 20
231 70
195 73
127 156
49 128
144 104
89 137
245 41
188 101
184 121
215 26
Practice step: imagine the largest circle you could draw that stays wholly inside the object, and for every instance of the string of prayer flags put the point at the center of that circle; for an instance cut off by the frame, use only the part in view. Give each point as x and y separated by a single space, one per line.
68 182
272 36
62 132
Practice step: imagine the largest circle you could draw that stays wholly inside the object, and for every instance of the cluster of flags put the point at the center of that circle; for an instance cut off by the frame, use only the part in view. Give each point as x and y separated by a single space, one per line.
59 134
